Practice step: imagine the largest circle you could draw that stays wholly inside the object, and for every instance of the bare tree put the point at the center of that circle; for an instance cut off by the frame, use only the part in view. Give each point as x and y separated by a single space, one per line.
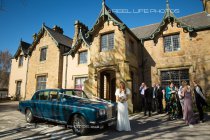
5 65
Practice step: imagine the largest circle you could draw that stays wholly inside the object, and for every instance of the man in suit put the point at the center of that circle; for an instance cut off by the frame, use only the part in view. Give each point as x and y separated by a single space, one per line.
160 98
148 100
154 98
200 100
142 98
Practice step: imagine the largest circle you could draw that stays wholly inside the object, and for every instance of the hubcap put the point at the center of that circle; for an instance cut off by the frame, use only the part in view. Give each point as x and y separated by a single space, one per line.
77 124
28 115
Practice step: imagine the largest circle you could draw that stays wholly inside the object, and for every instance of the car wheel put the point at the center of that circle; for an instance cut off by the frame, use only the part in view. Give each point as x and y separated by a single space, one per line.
79 124
29 116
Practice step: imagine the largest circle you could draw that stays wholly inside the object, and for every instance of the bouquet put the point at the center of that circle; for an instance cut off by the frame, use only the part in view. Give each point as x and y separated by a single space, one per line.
122 99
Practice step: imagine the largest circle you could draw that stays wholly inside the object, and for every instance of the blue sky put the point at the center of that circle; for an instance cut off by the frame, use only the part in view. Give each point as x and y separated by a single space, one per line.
22 18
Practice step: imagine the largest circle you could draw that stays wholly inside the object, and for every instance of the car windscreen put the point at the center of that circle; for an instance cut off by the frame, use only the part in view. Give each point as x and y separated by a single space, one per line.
77 93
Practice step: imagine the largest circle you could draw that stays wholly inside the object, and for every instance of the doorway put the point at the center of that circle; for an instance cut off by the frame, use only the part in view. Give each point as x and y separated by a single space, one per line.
107 85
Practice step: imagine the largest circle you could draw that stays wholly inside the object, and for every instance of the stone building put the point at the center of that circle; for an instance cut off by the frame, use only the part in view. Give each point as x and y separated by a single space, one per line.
177 49
112 55
96 59
18 73
39 65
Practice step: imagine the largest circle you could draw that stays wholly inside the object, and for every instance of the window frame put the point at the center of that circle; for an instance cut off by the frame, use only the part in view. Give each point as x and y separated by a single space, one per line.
172 47
18 88
82 85
179 73
39 87
43 58
20 62
108 47
79 58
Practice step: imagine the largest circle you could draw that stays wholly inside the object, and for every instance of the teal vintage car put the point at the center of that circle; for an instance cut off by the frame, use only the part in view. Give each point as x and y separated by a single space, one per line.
70 107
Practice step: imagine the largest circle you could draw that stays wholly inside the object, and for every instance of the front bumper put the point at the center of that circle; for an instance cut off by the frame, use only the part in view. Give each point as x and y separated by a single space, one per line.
101 124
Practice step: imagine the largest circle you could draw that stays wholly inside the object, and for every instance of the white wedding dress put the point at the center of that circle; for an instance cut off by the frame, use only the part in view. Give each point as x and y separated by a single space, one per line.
123 123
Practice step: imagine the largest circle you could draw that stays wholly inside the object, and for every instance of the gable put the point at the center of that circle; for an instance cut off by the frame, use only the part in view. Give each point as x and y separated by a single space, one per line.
58 38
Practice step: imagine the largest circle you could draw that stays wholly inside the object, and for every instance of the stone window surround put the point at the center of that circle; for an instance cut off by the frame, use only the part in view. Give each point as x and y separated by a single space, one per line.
18 81
79 57
38 75
106 33
40 49
190 67
20 62
79 77
171 34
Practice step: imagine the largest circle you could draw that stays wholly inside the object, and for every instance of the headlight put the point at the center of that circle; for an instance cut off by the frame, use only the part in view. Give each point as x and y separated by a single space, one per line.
102 112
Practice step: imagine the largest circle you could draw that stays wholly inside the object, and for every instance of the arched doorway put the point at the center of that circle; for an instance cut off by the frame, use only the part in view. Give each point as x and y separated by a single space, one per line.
107 85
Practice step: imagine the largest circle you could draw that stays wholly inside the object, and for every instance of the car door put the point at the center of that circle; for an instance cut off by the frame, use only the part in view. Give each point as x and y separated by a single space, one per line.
58 106
43 104
53 97
35 102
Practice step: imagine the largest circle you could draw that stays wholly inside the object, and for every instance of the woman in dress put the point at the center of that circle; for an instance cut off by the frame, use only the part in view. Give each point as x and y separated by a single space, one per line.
188 104
121 94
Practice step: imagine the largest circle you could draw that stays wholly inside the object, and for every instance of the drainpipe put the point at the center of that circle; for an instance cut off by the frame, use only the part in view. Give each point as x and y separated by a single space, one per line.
66 71
26 78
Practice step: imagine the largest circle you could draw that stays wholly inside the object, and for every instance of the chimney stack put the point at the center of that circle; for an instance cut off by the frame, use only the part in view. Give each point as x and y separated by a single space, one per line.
58 29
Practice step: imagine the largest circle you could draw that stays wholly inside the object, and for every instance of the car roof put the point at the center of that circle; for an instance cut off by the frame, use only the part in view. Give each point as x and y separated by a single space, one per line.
57 89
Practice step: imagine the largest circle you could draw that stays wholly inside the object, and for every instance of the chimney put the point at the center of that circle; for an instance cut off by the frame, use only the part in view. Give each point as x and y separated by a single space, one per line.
58 29
77 26
206 6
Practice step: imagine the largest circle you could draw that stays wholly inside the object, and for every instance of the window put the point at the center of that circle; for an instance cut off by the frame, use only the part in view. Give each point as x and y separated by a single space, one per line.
43 95
171 43
176 76
43 54
107 42
21 61
41 82
18 88
53 95
79 82
83 57
131 46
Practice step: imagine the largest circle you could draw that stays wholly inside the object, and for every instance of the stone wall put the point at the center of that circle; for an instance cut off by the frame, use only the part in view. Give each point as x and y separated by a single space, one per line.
194 54
50 67
18 74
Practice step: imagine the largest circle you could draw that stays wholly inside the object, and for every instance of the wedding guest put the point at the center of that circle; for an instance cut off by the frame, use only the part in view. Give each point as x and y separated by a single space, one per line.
154 98
148 100
142 98
169 89
160 98
123 123
200 100
181 101
188 105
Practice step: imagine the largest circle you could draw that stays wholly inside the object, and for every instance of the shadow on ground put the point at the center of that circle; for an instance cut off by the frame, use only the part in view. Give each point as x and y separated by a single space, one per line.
156 127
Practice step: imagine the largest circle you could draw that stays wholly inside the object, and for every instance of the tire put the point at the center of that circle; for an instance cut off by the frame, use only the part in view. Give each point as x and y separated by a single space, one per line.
79 124
29 116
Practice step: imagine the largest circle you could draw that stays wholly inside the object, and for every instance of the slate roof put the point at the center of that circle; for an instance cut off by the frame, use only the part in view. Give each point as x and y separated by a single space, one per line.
23 46
60 38
197 21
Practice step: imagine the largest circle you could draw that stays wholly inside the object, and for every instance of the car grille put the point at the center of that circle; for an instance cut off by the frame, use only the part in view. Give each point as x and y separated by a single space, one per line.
111 112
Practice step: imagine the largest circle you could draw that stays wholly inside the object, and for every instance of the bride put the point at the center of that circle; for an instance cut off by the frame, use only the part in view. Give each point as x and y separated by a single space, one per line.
121 94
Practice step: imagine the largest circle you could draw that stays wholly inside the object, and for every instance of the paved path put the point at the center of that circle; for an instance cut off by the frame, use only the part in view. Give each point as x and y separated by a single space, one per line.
13 126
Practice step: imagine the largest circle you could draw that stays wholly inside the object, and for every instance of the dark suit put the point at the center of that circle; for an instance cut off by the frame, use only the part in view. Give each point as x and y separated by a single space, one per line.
160 99
154 99
148 101
200 102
